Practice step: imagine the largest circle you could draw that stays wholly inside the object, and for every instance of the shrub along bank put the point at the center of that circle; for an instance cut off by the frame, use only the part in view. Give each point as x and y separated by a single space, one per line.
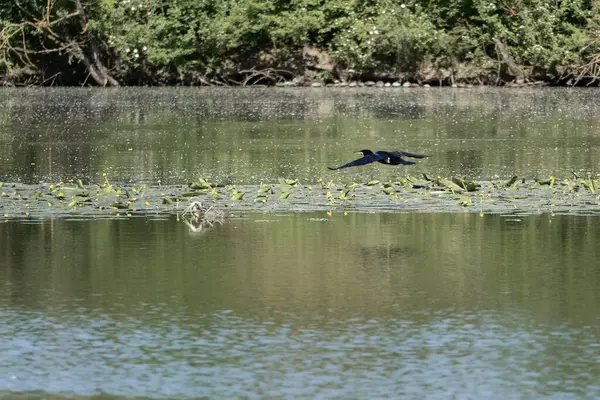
244 42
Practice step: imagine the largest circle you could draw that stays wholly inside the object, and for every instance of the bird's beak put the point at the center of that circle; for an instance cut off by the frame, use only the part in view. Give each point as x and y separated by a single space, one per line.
359 152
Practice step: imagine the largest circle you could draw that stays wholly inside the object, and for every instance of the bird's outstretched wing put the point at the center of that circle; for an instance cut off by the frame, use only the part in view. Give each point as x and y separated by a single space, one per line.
361 161
407 154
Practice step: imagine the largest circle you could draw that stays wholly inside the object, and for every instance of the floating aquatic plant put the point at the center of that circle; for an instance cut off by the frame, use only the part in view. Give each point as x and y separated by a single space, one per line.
511 183
469 186
200 184
265 189
465 201
77 196
237 194
325 185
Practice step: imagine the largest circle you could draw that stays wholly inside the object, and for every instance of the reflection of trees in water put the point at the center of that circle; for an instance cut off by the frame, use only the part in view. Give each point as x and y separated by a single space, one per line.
53 133
383 256
361 263
248 136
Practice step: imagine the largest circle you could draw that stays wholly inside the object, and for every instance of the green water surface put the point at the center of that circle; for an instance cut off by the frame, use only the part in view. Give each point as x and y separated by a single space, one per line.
302 306
258 135
298 305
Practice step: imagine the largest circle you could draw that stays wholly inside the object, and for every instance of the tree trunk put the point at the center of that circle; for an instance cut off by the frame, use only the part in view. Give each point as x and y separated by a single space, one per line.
94 64
513 68
95 67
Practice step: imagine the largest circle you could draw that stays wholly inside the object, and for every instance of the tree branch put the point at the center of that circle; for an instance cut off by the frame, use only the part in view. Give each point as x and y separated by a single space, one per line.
45 25
513 68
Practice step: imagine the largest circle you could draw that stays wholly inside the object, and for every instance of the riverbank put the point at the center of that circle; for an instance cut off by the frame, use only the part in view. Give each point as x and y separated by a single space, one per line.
150 43
579 196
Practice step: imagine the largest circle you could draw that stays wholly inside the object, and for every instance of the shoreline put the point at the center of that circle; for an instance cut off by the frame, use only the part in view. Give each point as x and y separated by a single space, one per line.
357 83
368 84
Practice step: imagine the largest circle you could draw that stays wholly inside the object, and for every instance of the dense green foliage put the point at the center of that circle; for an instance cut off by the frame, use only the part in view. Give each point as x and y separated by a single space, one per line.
243 41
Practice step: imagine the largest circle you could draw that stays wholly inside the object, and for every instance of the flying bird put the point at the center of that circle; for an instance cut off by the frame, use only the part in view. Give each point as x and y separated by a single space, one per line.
384 157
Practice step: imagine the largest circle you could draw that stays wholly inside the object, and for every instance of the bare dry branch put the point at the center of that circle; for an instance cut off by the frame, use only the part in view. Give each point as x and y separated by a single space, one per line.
90 58
275 75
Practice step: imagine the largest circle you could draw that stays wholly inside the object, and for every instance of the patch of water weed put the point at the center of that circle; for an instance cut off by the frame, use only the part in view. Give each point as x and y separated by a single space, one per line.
578 194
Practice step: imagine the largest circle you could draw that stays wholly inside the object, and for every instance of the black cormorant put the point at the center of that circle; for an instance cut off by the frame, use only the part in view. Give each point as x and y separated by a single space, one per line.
384 157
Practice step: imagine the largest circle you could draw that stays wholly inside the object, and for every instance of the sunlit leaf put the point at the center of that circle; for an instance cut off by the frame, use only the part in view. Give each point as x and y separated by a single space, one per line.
406 183
373 182
285 195
324 185
198 185
465 201
238 195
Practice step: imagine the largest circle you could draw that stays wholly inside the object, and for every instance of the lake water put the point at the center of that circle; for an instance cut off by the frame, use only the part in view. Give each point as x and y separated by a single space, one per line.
258 135
358 306
299 305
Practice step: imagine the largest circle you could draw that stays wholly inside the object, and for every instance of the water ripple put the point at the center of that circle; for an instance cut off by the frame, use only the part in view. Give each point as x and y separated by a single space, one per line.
470 355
